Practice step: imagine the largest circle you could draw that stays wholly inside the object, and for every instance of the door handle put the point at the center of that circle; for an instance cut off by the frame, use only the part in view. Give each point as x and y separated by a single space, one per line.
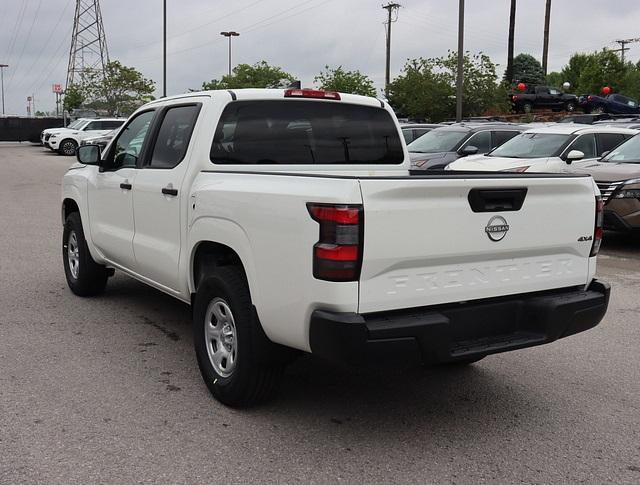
125 186
169 191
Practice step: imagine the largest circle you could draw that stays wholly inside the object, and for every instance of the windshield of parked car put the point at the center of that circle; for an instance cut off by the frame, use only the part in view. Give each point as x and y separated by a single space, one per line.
438 140
76 124
628 152
298 132
532 145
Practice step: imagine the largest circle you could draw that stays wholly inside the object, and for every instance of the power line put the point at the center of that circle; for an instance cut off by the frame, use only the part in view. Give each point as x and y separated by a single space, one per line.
623 48
24 44
16 30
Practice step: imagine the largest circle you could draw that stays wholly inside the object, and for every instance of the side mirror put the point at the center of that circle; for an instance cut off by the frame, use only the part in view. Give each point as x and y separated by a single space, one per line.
88 154
573 156
469 150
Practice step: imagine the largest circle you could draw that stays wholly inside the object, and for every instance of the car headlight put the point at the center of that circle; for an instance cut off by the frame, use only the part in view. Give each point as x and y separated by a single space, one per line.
627 194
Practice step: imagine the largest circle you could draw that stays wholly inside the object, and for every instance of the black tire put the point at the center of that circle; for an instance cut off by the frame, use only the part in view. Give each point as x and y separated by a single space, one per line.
598 110
527 108
256 371
570 107
88 278
67 147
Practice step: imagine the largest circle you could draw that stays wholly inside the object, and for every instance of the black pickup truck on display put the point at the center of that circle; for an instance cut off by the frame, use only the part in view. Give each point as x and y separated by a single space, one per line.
542 97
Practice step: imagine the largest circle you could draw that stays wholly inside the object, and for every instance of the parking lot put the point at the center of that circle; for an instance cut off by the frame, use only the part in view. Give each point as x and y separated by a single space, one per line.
107 389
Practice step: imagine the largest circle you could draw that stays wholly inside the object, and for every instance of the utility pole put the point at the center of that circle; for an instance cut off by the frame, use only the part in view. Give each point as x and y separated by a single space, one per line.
390 8
623 43
164 48
460 80
2 66
229 35
545 46
512 28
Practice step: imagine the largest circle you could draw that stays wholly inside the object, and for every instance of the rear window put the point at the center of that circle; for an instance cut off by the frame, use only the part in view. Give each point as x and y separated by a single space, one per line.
295 132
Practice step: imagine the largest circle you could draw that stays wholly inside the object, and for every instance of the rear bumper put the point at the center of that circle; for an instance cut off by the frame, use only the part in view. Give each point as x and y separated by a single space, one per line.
448 333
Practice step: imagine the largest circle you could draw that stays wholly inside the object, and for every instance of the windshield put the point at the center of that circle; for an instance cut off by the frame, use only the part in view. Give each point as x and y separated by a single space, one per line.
629 152
437 141
531 145
300 132
76 124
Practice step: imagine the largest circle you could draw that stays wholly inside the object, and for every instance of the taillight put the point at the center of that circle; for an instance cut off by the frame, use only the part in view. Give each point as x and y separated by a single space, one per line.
337 256
514 98
589 98
598 230
311 93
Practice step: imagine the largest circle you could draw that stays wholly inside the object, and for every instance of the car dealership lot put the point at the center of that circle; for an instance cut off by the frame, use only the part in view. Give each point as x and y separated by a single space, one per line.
107 389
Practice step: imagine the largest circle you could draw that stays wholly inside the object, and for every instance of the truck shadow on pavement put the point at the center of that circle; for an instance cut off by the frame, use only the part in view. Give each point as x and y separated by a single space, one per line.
330 398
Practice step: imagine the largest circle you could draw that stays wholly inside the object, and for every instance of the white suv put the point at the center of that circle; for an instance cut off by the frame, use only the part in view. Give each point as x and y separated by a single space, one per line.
67 140
547 149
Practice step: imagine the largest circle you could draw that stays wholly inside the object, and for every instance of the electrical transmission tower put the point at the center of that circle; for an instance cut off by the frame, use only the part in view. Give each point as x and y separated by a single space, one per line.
623 43
88 41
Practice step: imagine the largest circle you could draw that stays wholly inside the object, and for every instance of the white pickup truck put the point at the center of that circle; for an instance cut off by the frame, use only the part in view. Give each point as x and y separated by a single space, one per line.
289 220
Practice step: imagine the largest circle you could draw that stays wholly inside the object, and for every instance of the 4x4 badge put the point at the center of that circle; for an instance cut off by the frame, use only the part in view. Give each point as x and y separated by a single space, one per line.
497 228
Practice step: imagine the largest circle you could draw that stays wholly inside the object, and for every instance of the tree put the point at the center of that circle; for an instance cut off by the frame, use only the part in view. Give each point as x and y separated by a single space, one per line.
258 75
351 82
426 87
73 98
527 69
571 72
602 68
555 78
120 92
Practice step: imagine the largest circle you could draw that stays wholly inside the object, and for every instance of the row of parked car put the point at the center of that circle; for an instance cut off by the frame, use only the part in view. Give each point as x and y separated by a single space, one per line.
607 150
82 131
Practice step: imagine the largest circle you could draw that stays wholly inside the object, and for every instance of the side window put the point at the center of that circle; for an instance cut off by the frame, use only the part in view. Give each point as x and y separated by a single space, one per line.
553 91
608 141
128 146
94 125
420 131
173 137
481 140
499 137
586 144
111 125
408 135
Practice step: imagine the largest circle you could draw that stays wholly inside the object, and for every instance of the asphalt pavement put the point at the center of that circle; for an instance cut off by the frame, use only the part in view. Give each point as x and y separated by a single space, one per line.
107 390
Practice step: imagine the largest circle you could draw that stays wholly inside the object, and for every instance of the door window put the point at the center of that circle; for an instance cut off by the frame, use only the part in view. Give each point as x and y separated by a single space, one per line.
608 141
499 137
93 126
128 146
173 137
481 140
111 125
586 144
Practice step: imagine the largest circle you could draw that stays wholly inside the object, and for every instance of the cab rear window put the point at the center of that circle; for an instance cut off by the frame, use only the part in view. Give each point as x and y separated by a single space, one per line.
296 132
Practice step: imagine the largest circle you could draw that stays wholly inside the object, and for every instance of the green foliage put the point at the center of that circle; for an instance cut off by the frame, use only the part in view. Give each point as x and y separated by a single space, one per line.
258 75
426 88
73 98
571 72
555 79
527 69
120 92
351 82
602 68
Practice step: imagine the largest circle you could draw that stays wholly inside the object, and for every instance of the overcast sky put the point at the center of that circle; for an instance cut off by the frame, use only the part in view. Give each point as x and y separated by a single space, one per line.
301 36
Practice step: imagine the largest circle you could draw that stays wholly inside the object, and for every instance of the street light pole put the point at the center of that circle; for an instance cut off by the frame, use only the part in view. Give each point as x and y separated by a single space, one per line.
460 80
2 66
164 49
229 35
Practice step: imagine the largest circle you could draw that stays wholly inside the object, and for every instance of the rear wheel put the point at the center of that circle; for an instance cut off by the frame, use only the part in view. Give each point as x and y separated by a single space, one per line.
570 107
84 276
527 108
597 110
232 351
67 147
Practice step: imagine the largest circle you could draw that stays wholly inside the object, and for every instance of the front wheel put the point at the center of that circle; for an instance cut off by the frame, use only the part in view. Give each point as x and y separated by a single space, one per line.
84 276
68 148
229 343
570 107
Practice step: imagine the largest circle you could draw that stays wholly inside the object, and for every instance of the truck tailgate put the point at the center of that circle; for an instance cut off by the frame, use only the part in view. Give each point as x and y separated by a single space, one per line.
425 245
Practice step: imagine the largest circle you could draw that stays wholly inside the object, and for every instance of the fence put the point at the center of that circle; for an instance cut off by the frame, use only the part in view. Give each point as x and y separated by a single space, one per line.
16 128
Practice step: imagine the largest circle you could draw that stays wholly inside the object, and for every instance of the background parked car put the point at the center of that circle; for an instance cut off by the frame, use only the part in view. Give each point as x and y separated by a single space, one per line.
542 97
618 177
548 149
66 141
101 140
441 146
46 134
611 103
411 131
